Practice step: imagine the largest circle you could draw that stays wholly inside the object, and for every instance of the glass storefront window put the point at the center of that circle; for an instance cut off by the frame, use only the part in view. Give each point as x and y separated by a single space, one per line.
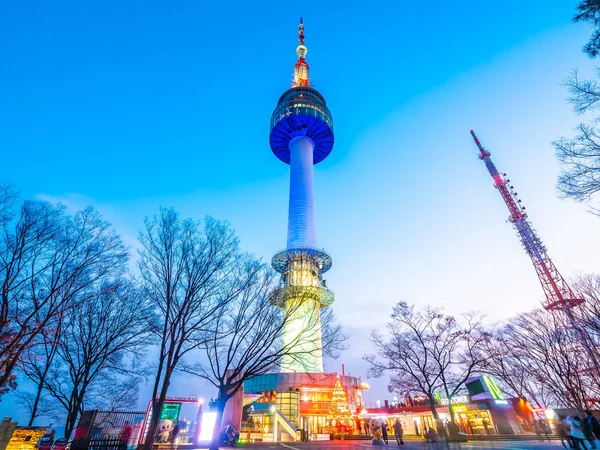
475 422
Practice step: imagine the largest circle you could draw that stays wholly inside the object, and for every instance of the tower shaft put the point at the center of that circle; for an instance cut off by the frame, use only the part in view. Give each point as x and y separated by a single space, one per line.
558 293
301 216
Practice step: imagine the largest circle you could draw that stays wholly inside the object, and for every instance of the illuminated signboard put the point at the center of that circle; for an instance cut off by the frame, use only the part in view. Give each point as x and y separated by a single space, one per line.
209 419
456 400
493 388
171 411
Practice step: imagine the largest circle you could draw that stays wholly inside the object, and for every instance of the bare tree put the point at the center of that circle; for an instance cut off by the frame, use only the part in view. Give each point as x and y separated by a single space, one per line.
44 405
103 336
580 155
589 11
403 353
457 351
334 340
114 391
246 339
8 199
26 252
424 351
510 365
580 160
35 365
46 260
588 314
184 269
552 355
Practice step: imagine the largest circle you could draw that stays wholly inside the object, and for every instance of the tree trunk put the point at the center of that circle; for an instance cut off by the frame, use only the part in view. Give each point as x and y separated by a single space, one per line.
71 422
432 407
36 402
216 438
156 411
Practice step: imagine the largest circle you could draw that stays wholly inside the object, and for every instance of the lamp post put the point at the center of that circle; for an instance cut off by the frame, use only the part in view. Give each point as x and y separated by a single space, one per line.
198 426
274 411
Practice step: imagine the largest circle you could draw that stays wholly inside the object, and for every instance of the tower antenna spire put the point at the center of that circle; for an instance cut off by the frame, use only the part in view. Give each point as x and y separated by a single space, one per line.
561 301
301 68
559 295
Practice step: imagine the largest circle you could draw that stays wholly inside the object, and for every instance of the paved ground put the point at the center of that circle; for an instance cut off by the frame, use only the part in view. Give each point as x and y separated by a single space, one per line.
410 445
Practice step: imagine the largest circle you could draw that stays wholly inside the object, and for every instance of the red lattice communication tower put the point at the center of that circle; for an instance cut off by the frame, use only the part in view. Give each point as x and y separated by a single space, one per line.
559 295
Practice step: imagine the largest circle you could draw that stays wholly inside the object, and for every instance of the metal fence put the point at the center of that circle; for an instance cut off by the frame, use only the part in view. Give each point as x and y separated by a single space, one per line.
108 430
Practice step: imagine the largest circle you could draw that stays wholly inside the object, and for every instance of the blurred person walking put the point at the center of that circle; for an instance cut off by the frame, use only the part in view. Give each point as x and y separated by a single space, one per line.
399 432
577 435
588 428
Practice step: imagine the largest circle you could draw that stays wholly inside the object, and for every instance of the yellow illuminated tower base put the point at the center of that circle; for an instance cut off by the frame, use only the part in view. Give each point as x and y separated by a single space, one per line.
302 296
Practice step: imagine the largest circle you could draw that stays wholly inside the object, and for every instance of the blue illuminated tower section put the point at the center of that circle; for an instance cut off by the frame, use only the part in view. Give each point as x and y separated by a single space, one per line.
302 136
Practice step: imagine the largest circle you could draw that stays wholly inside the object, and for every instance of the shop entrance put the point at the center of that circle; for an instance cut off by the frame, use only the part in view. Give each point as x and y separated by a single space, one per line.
475 422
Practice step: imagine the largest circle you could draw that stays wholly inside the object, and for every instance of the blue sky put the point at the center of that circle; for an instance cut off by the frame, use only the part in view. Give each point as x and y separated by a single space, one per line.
128 106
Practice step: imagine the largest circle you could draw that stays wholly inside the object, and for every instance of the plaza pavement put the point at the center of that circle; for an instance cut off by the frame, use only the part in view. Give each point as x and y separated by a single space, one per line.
410 445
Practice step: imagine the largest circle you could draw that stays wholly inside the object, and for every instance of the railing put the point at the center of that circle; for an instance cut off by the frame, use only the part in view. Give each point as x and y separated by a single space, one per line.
107 444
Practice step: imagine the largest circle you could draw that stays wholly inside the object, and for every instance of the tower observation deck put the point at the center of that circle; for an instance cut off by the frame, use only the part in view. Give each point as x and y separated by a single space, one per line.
302 136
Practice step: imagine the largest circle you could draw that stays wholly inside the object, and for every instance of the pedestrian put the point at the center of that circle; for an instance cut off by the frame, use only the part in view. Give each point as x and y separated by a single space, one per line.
538 428
452 429
545 427
366 426
588 428
432 436
594 423
577 436
486 426
561 432
384 428
471 428
570 440
398 431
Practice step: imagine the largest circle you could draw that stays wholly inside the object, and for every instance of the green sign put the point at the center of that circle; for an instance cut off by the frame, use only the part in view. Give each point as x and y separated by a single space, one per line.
171 411
493 388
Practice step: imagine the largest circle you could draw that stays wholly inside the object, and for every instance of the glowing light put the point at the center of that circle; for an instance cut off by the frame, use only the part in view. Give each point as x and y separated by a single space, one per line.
273 408
493 388
209 419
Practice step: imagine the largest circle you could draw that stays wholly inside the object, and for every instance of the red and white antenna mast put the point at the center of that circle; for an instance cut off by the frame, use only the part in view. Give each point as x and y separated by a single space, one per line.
559 295
301 68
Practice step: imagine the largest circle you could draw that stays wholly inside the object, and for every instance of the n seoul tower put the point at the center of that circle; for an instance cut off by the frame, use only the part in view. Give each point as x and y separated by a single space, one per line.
302 136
